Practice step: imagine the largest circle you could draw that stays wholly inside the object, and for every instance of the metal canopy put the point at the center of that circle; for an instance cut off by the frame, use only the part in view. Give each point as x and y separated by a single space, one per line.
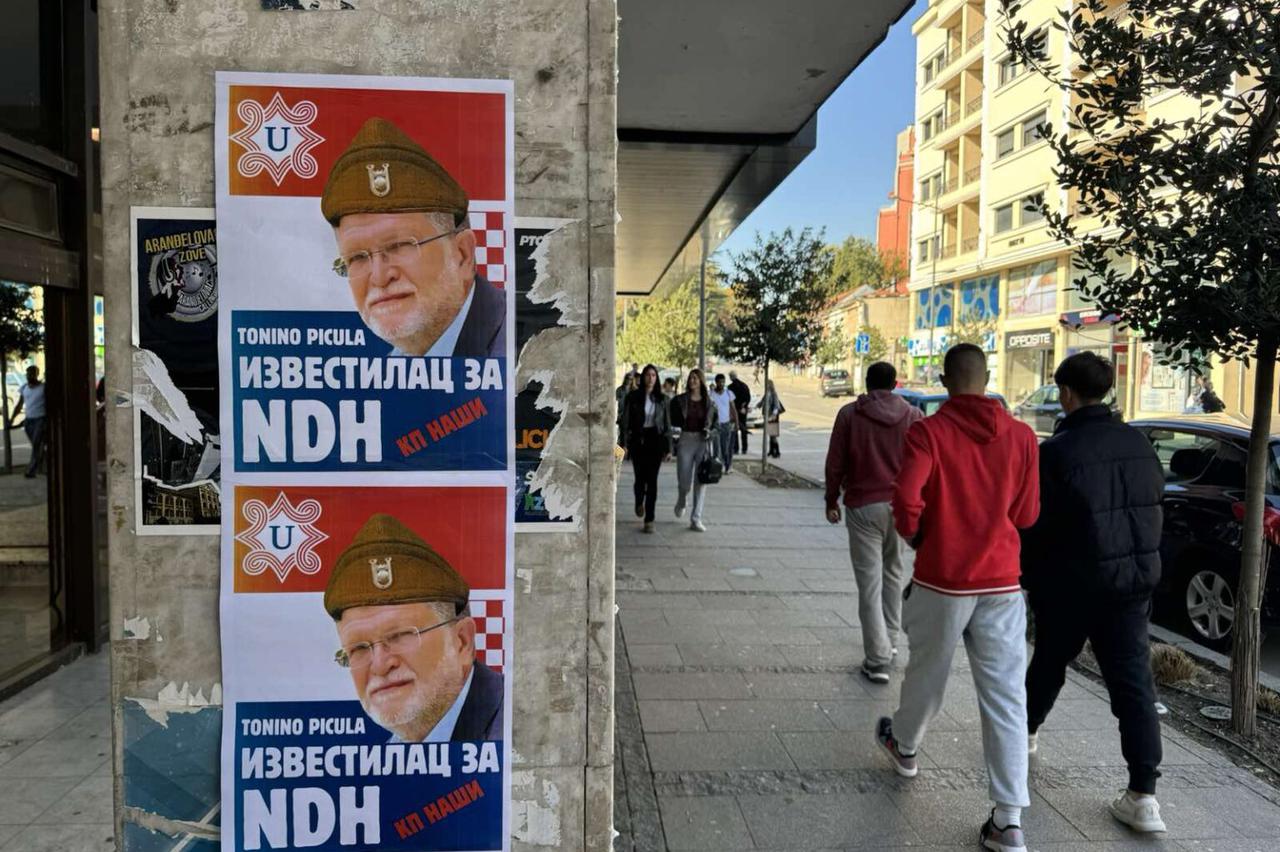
717 103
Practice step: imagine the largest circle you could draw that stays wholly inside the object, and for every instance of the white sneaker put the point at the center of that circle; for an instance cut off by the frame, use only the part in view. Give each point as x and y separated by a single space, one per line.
1033 743
1142 814
680 507
697 526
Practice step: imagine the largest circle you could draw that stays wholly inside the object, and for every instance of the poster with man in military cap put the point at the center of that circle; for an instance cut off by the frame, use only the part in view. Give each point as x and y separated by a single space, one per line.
368 461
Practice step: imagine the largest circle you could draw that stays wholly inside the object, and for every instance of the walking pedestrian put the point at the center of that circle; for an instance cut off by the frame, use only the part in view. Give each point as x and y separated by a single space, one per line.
863 458
1210 402
31 397
646 434
1090 565
772 408
629 383
742 402
727 415
693 413
669 387
968 483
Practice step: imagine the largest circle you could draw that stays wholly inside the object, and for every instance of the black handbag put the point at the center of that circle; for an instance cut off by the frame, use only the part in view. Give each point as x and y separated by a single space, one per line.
710 469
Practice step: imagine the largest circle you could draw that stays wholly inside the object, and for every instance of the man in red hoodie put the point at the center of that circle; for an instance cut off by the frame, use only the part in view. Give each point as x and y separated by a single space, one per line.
863 459
969 482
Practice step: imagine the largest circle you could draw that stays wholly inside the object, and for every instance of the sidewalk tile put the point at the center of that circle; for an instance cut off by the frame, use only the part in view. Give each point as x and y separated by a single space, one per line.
845 820
705 822
845 657
718 751
741 600
59 758
765 715
24 799
954 816
803 618
841 750
669 634
89 802
64 838
1188 813
814 686
670 716
690 685
762 635
643 656
731 654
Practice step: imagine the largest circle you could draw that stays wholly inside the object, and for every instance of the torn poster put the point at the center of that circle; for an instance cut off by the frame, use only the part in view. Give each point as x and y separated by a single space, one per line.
535 419
366 345
177 442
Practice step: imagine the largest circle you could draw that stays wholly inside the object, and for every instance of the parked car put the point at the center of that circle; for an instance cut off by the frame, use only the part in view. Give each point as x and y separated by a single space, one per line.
930 400
837 383
1042 409
1203 457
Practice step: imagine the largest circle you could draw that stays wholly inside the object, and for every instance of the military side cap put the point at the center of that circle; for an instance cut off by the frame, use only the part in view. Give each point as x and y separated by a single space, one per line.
388 563
385 171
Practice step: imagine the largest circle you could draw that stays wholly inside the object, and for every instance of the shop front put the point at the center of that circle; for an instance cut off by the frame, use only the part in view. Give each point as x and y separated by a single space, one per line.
1092 331
1028 359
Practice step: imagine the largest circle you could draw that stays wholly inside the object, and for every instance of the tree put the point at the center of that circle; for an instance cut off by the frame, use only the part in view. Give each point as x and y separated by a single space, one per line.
878 346
21 333
1177 223
835 347
779 288
664 331
858 262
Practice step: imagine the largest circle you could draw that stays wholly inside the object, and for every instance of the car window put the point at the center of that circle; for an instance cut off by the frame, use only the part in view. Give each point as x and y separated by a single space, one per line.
1037 398
930 406
1183 456
1227 466
1051 395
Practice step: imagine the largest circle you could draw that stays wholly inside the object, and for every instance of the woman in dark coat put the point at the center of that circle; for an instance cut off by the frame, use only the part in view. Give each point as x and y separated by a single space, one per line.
646 435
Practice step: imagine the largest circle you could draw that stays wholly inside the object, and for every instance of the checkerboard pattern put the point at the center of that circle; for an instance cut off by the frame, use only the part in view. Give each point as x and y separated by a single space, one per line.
491 246
490 624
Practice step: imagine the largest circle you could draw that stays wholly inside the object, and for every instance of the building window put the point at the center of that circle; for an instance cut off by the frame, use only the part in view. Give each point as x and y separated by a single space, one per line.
1033 289
1004 218
1033 129
1004 144
924 250
1031 212
1009 69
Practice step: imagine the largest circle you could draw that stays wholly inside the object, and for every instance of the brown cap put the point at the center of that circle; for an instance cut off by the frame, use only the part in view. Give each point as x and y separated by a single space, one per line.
384 171
388 563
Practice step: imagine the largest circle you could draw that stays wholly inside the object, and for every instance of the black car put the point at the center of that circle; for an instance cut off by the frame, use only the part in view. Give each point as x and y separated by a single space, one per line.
1203 457
930 400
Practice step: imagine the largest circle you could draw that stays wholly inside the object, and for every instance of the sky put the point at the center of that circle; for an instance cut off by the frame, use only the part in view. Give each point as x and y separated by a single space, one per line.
843 183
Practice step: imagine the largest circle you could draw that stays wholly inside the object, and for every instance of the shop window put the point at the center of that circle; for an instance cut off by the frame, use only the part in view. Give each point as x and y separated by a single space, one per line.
1033 289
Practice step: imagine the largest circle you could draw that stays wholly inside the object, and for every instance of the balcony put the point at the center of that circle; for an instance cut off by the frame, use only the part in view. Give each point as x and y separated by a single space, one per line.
975 38
948 252
972 175
973 106
968 244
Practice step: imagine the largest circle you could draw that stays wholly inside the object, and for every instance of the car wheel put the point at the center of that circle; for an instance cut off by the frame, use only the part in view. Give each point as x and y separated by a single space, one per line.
1208 610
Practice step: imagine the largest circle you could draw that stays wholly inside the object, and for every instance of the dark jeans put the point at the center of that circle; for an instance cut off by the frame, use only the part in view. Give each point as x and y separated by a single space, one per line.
742 430
34 427
646 452
1118 633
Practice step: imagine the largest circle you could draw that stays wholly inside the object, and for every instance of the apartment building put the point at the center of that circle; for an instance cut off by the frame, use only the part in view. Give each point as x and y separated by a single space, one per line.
984 268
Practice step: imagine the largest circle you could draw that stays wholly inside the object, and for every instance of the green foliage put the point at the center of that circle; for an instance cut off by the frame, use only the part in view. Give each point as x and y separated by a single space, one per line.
779 288
835 348
857 262
1194 202
664 331
21 331
969 329
879 346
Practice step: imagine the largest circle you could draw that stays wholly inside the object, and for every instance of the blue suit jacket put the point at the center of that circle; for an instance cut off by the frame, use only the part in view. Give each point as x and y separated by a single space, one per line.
484 331
481 716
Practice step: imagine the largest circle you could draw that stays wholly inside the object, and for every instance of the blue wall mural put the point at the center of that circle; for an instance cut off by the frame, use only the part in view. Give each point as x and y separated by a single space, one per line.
980 298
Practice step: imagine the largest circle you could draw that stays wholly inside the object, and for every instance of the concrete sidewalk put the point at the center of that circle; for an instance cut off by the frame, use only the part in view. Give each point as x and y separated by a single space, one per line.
743 724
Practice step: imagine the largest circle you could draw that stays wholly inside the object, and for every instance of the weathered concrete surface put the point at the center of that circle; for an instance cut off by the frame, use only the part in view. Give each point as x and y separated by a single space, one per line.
158 64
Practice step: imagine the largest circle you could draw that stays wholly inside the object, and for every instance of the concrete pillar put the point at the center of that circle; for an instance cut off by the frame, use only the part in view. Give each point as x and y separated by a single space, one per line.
158 64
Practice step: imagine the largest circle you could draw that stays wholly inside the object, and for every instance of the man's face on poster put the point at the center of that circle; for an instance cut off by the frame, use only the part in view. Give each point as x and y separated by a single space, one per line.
410 295
408 690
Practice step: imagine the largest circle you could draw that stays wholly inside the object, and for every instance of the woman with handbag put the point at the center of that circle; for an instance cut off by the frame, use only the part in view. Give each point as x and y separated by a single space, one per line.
772 408
695 416
646 435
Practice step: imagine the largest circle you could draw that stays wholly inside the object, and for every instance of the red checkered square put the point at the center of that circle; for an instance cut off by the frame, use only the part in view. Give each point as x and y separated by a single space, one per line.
490 625
491 245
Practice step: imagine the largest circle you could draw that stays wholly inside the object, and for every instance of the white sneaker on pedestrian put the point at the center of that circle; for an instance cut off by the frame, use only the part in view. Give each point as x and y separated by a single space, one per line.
697 526
1140 814
680 507
1033 743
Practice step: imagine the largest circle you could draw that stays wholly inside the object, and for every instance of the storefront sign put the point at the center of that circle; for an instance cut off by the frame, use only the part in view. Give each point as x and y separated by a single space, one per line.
366 352
1076 319
1037 338
177 479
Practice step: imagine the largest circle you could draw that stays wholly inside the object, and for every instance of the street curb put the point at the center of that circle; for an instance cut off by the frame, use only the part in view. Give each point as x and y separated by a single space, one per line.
1200 652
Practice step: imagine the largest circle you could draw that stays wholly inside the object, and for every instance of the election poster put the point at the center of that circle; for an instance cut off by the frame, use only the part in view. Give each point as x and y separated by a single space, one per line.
366 350
176 440
534 422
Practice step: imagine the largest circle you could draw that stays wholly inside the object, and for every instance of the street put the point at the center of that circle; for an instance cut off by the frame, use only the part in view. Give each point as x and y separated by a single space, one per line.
806 430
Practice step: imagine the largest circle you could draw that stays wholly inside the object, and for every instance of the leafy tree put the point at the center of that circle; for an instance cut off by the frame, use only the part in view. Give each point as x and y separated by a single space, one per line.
835 348
779 288
858 262
1177 223
664 331
21 333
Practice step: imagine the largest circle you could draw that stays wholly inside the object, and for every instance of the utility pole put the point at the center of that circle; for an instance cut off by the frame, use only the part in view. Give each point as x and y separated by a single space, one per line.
702 300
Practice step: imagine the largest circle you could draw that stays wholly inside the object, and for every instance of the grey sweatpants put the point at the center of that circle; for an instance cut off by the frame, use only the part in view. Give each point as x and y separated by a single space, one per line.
881 567
994 629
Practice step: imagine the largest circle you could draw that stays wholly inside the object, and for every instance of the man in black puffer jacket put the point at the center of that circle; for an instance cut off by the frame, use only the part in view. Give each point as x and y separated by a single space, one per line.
1090 565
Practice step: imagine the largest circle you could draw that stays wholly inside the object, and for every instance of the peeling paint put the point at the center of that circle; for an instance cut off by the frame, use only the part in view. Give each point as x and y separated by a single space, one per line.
176 828
137 628
536 822
174 700
155 393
